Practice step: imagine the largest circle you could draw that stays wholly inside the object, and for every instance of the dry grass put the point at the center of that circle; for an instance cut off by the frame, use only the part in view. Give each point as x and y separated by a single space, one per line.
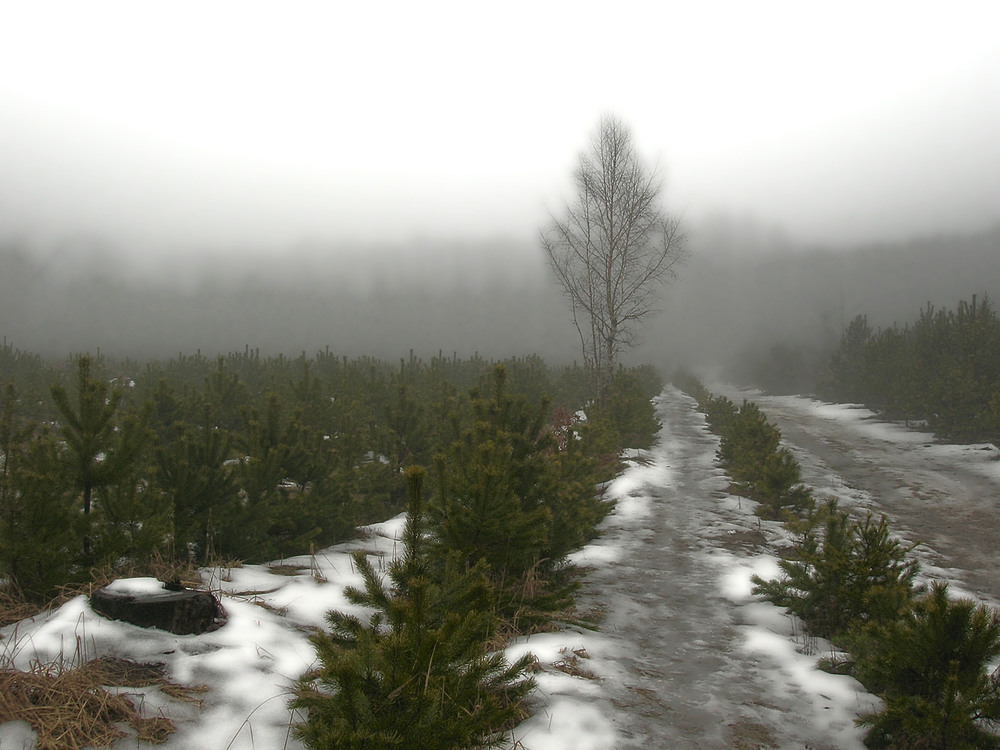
279 611
746 734
71 709
66 710
185 693
78 706
13 608
752 540
571 663
155 730
110 670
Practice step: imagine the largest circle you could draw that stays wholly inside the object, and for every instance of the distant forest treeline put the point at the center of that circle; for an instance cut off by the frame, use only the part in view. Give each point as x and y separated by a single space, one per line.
743 292
497 300
942 369
243 456
775 316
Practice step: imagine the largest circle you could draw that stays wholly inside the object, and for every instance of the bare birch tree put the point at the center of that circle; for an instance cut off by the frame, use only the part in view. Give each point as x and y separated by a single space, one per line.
614 249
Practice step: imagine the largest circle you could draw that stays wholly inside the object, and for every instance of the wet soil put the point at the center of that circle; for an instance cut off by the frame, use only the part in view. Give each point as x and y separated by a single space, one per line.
939 497
684 679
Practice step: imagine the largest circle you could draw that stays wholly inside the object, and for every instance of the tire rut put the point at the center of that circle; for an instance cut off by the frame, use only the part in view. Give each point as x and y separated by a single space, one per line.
684 678
930 492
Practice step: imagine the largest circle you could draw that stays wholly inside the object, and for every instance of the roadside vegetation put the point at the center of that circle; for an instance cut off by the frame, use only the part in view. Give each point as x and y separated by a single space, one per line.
942 369
750 450
930 658
118 468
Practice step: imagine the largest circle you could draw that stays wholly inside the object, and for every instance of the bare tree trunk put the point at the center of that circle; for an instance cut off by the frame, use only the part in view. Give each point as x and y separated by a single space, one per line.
613 250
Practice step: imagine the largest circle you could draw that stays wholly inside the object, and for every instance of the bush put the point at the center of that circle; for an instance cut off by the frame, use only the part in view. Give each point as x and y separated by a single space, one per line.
491 485
588 457
629 408
855 574
930 668
777 488
719 412
40 529
747 442
688 382
417 674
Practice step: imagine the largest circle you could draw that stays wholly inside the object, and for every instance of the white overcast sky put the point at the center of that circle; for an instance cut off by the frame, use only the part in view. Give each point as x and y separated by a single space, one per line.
218 124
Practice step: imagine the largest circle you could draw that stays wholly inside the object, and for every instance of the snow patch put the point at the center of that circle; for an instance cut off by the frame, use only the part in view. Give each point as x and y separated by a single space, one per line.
736 584
567 724
135 586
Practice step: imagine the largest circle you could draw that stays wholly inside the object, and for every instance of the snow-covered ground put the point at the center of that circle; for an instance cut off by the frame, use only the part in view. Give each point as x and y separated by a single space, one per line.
685 657
249 664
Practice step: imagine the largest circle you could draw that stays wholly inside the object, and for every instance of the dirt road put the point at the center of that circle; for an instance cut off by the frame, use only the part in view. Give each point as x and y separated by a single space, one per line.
947 497
685 677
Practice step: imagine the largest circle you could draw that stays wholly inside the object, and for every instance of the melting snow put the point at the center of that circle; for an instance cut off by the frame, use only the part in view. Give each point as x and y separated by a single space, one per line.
251 663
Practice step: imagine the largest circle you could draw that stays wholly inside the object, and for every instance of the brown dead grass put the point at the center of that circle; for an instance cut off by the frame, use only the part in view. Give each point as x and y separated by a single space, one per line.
13 608
286 570
71 709
745 734
571 663
184 693
155 730
77 707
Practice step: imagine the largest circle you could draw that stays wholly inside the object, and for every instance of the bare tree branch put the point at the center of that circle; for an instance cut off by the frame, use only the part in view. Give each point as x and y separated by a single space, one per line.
614 249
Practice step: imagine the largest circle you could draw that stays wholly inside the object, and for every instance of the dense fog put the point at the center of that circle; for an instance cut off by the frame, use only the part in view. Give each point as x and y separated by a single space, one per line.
374 179
743 294
744 290
381 302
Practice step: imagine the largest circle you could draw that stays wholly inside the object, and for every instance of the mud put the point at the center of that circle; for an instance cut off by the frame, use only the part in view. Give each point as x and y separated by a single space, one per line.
684 678
933 494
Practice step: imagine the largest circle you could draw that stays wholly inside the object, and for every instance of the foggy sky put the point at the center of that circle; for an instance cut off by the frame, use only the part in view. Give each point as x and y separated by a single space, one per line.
166 130
207 176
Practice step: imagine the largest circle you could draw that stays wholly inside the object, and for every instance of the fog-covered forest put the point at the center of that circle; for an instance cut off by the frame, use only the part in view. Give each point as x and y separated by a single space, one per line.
379 302
744 290
743 293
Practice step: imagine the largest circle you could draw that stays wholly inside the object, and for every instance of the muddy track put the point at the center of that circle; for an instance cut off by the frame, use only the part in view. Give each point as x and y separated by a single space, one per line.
684 678
935 494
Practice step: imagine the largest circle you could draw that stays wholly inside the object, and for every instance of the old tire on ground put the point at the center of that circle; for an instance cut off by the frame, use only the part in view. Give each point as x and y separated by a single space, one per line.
183 612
